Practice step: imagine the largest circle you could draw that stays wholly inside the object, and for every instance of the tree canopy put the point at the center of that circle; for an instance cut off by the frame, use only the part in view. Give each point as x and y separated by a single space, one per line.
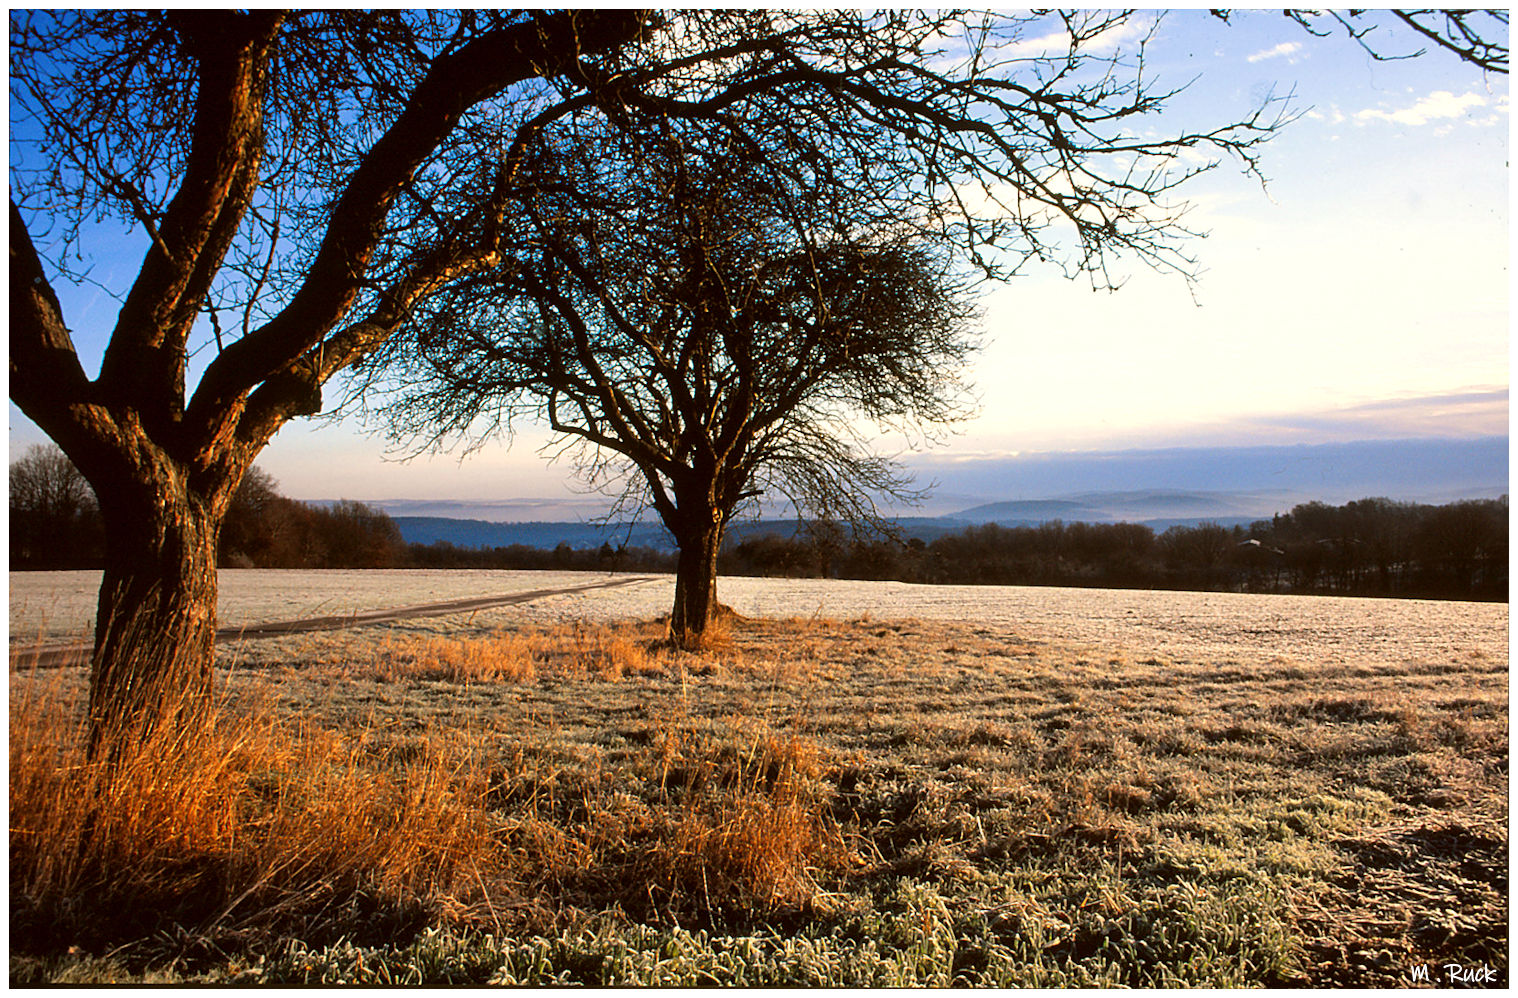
687 310
303 181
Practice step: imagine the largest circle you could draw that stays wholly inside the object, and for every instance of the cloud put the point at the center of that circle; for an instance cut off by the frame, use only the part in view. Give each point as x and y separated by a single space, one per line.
1283 49
1043 45
1473 412
1056 44
1499 108
1436 106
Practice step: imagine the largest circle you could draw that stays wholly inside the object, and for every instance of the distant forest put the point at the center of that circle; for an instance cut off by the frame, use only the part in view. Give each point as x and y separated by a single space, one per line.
1370 547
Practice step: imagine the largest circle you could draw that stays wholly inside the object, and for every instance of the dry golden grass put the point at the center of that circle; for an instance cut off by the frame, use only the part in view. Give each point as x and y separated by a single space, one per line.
255 822
601 652
752 824
506 658
1109 814
273 821
570 650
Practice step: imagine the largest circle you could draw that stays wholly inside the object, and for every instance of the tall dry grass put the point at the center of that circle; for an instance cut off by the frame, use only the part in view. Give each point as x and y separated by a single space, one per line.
503 657
753 824
706 822
260 826
249 824
601 651
569 650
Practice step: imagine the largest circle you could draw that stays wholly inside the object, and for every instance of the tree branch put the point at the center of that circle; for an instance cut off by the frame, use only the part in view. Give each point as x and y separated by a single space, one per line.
144 360
47 381
547 44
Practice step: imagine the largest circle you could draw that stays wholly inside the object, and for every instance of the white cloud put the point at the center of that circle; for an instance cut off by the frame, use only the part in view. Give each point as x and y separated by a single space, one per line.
1499 108
1333 115
1436 106
1283 49
1118 35
1043 45
1057 44
1473 411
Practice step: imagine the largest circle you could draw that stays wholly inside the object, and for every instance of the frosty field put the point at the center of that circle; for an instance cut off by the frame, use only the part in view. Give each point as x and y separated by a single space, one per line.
1220 627
858 784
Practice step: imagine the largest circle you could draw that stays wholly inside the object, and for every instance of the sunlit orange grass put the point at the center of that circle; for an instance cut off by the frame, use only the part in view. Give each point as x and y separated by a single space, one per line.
753 823
254 822
732 818
604 651
501 657
719 637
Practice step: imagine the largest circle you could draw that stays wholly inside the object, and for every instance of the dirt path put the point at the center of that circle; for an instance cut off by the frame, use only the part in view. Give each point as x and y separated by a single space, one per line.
77 653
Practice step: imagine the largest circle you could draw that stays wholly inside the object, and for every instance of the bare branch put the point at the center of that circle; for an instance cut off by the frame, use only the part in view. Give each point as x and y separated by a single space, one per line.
1464 33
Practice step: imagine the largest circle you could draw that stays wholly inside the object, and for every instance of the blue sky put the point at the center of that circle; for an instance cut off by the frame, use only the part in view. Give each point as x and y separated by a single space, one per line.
1362 296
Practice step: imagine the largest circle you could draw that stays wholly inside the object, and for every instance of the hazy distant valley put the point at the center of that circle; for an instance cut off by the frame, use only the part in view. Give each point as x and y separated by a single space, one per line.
489 525
1157 488
451 523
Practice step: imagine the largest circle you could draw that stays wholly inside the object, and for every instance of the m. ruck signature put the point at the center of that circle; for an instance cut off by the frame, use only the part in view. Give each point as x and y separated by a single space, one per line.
1455 973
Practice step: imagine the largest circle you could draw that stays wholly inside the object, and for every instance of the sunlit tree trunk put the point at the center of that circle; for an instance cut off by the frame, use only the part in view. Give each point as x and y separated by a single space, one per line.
156 625
699 535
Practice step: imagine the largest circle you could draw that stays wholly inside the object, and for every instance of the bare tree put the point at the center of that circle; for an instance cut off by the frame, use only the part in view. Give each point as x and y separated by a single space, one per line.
45 481
297 166
246 526
709 336
842 200
54 519
303 181
1476 36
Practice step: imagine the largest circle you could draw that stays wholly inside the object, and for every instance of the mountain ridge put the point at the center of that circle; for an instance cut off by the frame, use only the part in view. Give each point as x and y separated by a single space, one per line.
1158 509
1251 479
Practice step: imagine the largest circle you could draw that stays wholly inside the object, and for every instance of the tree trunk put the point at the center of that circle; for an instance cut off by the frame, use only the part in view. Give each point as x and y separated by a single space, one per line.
700 539
156 626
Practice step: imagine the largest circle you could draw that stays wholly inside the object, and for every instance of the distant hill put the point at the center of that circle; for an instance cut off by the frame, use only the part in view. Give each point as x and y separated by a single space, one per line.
537 534
581 535
1430 470
549 509
1155 509
1029 511
1160 487
1158 508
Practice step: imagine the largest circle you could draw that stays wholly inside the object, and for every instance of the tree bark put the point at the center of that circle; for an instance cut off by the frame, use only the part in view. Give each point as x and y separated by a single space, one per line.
700 539
156 624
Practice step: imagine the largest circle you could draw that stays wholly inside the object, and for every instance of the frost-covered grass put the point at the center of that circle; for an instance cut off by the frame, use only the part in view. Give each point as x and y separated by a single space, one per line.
862 784
57 605
1219 626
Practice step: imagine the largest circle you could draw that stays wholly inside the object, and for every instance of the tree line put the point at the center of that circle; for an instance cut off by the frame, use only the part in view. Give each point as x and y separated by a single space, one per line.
56 524
1370 547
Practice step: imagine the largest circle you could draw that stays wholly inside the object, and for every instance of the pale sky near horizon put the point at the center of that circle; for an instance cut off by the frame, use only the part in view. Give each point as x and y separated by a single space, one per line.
1363 295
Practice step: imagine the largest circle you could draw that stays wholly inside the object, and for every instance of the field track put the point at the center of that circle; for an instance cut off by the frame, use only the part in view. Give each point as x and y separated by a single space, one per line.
52 614
76 653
